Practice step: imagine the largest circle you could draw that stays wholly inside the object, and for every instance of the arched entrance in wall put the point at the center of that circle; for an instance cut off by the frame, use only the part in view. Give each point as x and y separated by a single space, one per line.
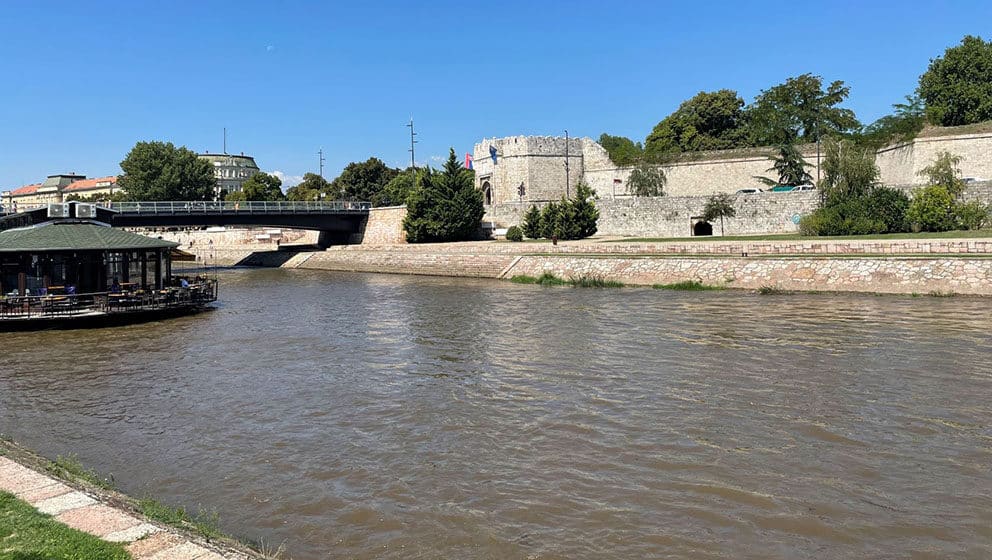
702 228
487 192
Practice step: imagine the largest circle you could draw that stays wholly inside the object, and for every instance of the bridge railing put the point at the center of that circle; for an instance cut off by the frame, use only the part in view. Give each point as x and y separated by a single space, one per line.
239 208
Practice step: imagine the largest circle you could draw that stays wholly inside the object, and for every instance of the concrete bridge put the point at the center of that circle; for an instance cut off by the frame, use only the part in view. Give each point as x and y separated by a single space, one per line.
336 220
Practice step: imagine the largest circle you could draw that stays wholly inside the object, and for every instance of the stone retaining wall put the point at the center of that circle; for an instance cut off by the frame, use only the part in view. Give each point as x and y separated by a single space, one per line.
406 262
901 275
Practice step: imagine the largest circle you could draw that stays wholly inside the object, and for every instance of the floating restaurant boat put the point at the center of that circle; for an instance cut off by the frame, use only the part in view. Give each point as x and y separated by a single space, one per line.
64 267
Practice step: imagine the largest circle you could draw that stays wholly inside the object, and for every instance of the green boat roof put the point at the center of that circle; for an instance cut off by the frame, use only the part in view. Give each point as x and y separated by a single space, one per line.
75 236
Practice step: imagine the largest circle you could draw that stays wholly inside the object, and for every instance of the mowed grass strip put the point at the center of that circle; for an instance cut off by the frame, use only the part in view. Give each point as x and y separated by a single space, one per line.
26 533
960 234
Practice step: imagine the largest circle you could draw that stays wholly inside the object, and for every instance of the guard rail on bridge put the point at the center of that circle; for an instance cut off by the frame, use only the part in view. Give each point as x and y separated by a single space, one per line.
238 208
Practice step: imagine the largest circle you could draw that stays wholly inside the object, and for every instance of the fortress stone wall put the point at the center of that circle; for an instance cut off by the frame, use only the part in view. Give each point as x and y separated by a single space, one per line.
538 163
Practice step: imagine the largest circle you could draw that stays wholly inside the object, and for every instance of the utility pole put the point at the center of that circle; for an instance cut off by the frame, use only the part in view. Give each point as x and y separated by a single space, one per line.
567 193
413 159
320 161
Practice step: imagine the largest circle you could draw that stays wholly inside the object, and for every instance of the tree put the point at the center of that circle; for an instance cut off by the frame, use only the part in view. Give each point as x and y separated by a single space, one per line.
799 110
623 151
397 190
310 188
712 120
582 213
363 180
849 171
532 223
903 125
932 209
957 87
160 171
790 167
945 173
647 180
719 206
445 206
263 187
236 196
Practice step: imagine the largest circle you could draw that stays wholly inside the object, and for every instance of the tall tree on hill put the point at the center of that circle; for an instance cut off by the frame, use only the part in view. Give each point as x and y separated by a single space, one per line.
311 188
711 120
363 180
445 206
623 151
160 171
957 87
263 187
800 110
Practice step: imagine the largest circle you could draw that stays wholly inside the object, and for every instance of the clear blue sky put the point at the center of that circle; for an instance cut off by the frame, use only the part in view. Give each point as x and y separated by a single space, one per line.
83 81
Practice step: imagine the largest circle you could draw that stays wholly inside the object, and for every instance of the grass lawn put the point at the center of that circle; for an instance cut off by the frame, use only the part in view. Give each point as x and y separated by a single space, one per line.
26 534
978 233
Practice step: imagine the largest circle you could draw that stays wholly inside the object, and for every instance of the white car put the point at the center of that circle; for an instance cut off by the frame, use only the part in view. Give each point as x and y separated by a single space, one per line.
972 180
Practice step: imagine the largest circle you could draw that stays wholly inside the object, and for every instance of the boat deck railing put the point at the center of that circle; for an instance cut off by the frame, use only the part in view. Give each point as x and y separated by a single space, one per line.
55 305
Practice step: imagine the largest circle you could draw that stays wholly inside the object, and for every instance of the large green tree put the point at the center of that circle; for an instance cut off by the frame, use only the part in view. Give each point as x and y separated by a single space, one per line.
310 188
957 87
363 180
445 206
849 171
623 151
397 190
647 180
161 171
712 120
902 125
262 187
800 110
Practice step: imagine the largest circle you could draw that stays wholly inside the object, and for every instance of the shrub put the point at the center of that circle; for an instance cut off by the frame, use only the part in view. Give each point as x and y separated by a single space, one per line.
573 218
532 223
931 209
971 215
514 234
888 206
688 286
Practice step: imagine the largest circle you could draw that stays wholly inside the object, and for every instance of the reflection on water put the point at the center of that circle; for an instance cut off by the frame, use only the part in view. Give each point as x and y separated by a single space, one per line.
393 417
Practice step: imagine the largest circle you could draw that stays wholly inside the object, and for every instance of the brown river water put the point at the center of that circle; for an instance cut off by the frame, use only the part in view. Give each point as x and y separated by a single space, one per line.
376 416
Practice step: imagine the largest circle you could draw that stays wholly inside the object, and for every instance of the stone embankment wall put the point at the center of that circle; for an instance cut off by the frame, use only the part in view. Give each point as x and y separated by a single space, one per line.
231 246
899 266
877 275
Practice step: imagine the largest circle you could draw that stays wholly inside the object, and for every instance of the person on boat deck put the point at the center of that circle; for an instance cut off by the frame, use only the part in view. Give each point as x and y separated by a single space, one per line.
70 290
183 283
115 288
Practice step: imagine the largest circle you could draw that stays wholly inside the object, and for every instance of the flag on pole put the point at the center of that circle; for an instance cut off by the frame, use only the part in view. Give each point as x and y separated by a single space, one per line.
468 160
492 153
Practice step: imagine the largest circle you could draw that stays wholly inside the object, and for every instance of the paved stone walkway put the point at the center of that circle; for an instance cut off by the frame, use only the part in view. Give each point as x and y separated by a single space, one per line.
79 510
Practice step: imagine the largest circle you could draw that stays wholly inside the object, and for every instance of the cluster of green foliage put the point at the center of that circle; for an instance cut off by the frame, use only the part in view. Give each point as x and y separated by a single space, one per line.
903 125
573 218
938 206
398 189
444 206
205 523
957 87
259 187
549 279
709 121
853 201
854 204
68 467
789 166
514 233
25 533
623 151
647 180
363 180
118 196
160 171
719 206
800 110
312 187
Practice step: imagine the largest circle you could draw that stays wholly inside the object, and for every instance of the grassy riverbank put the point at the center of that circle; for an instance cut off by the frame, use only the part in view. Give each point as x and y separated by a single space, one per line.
548 279
27 534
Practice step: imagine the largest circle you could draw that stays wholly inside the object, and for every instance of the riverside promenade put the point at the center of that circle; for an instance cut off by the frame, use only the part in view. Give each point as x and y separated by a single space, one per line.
106 515
919 265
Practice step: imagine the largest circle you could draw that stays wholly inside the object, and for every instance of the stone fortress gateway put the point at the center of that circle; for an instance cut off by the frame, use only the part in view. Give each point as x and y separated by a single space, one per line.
530 170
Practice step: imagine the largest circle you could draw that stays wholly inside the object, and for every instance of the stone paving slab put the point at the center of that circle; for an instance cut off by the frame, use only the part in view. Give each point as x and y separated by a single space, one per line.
131 534
16 478
65 502
153 544
184 551
98 519
35 495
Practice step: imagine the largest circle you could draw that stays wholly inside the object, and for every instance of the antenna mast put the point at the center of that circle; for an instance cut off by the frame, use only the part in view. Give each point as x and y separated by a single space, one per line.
413 159
320 161
225 140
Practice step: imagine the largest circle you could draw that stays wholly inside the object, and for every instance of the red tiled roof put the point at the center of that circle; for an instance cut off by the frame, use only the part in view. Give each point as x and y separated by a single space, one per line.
26 189
86 184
